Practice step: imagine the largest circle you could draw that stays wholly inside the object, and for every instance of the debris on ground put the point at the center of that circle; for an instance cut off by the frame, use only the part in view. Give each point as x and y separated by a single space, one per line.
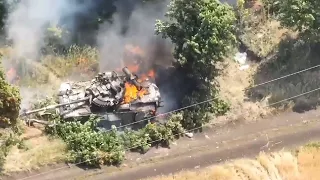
241 58
189 135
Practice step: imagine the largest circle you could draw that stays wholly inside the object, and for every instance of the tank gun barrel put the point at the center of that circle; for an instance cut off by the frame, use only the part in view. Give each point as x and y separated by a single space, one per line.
131 77
25 113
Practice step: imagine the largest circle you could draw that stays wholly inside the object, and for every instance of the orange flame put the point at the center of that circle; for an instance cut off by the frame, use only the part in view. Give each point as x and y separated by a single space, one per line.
132 93
12 75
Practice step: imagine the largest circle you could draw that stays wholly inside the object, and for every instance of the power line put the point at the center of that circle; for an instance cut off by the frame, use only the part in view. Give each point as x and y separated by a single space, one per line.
209 100
162 114
192 105
293 97
285 76
203 102
163 139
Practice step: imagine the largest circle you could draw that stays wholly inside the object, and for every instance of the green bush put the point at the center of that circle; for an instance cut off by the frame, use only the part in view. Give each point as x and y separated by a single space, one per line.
93 147
300 15
9 102
87 145
8 140
154 134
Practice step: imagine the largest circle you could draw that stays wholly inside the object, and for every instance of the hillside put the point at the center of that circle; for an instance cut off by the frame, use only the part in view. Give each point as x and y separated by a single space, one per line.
194 60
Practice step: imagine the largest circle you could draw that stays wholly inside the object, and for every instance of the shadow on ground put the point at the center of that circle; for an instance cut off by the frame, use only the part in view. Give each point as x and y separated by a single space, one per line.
292 55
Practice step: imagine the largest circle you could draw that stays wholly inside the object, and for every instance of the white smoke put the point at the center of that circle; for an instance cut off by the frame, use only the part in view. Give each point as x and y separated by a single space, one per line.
26 27
140 32
28 21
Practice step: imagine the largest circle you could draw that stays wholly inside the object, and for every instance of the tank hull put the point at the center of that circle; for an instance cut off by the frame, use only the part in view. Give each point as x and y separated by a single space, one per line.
133 115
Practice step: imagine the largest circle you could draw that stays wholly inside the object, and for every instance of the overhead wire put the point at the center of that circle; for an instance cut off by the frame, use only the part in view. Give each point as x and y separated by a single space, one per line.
159 140
285 76
195 104
209 100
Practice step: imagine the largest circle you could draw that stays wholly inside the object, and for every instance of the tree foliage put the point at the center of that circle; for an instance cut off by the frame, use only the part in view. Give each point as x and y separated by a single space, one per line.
87 145
301 15
9 101
92 147
8 140
202 32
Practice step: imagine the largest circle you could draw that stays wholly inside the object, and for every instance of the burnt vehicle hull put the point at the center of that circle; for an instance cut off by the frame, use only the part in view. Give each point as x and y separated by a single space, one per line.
108 98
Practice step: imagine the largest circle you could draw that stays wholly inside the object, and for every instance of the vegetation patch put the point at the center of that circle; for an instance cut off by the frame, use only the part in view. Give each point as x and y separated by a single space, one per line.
278 165
87 145
293 55
202 34
9 102
36 152
198 50
258 31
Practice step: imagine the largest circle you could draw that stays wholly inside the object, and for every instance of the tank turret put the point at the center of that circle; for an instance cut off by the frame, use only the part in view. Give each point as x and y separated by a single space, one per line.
117 99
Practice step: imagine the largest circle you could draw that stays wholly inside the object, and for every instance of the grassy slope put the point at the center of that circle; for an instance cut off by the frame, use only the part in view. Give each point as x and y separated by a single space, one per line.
288 56
302 165
39 151
40 147
233 85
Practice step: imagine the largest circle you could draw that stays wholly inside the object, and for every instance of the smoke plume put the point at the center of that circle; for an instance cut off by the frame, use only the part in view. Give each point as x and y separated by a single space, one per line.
28 21
26 27
132 24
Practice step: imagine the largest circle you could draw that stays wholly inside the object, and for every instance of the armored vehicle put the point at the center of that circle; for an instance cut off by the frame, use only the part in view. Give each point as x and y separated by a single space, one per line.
122 100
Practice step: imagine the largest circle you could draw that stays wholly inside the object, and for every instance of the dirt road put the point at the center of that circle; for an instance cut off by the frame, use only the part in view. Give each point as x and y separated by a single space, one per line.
214 145
213 157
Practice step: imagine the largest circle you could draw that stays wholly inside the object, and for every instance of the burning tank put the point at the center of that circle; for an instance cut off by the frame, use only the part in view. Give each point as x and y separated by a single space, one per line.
118 99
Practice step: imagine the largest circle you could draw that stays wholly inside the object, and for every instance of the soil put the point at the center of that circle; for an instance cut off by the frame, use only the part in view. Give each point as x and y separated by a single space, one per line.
214 145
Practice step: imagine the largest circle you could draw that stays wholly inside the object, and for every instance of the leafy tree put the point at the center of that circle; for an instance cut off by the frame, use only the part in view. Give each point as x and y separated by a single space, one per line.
301 15
9 102
202 32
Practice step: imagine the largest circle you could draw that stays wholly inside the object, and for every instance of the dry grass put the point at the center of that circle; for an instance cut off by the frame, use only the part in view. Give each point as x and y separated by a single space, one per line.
37 150
41 151
291 57
78 63
282 53
233 83
309 162
275 166
37 79
264 38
